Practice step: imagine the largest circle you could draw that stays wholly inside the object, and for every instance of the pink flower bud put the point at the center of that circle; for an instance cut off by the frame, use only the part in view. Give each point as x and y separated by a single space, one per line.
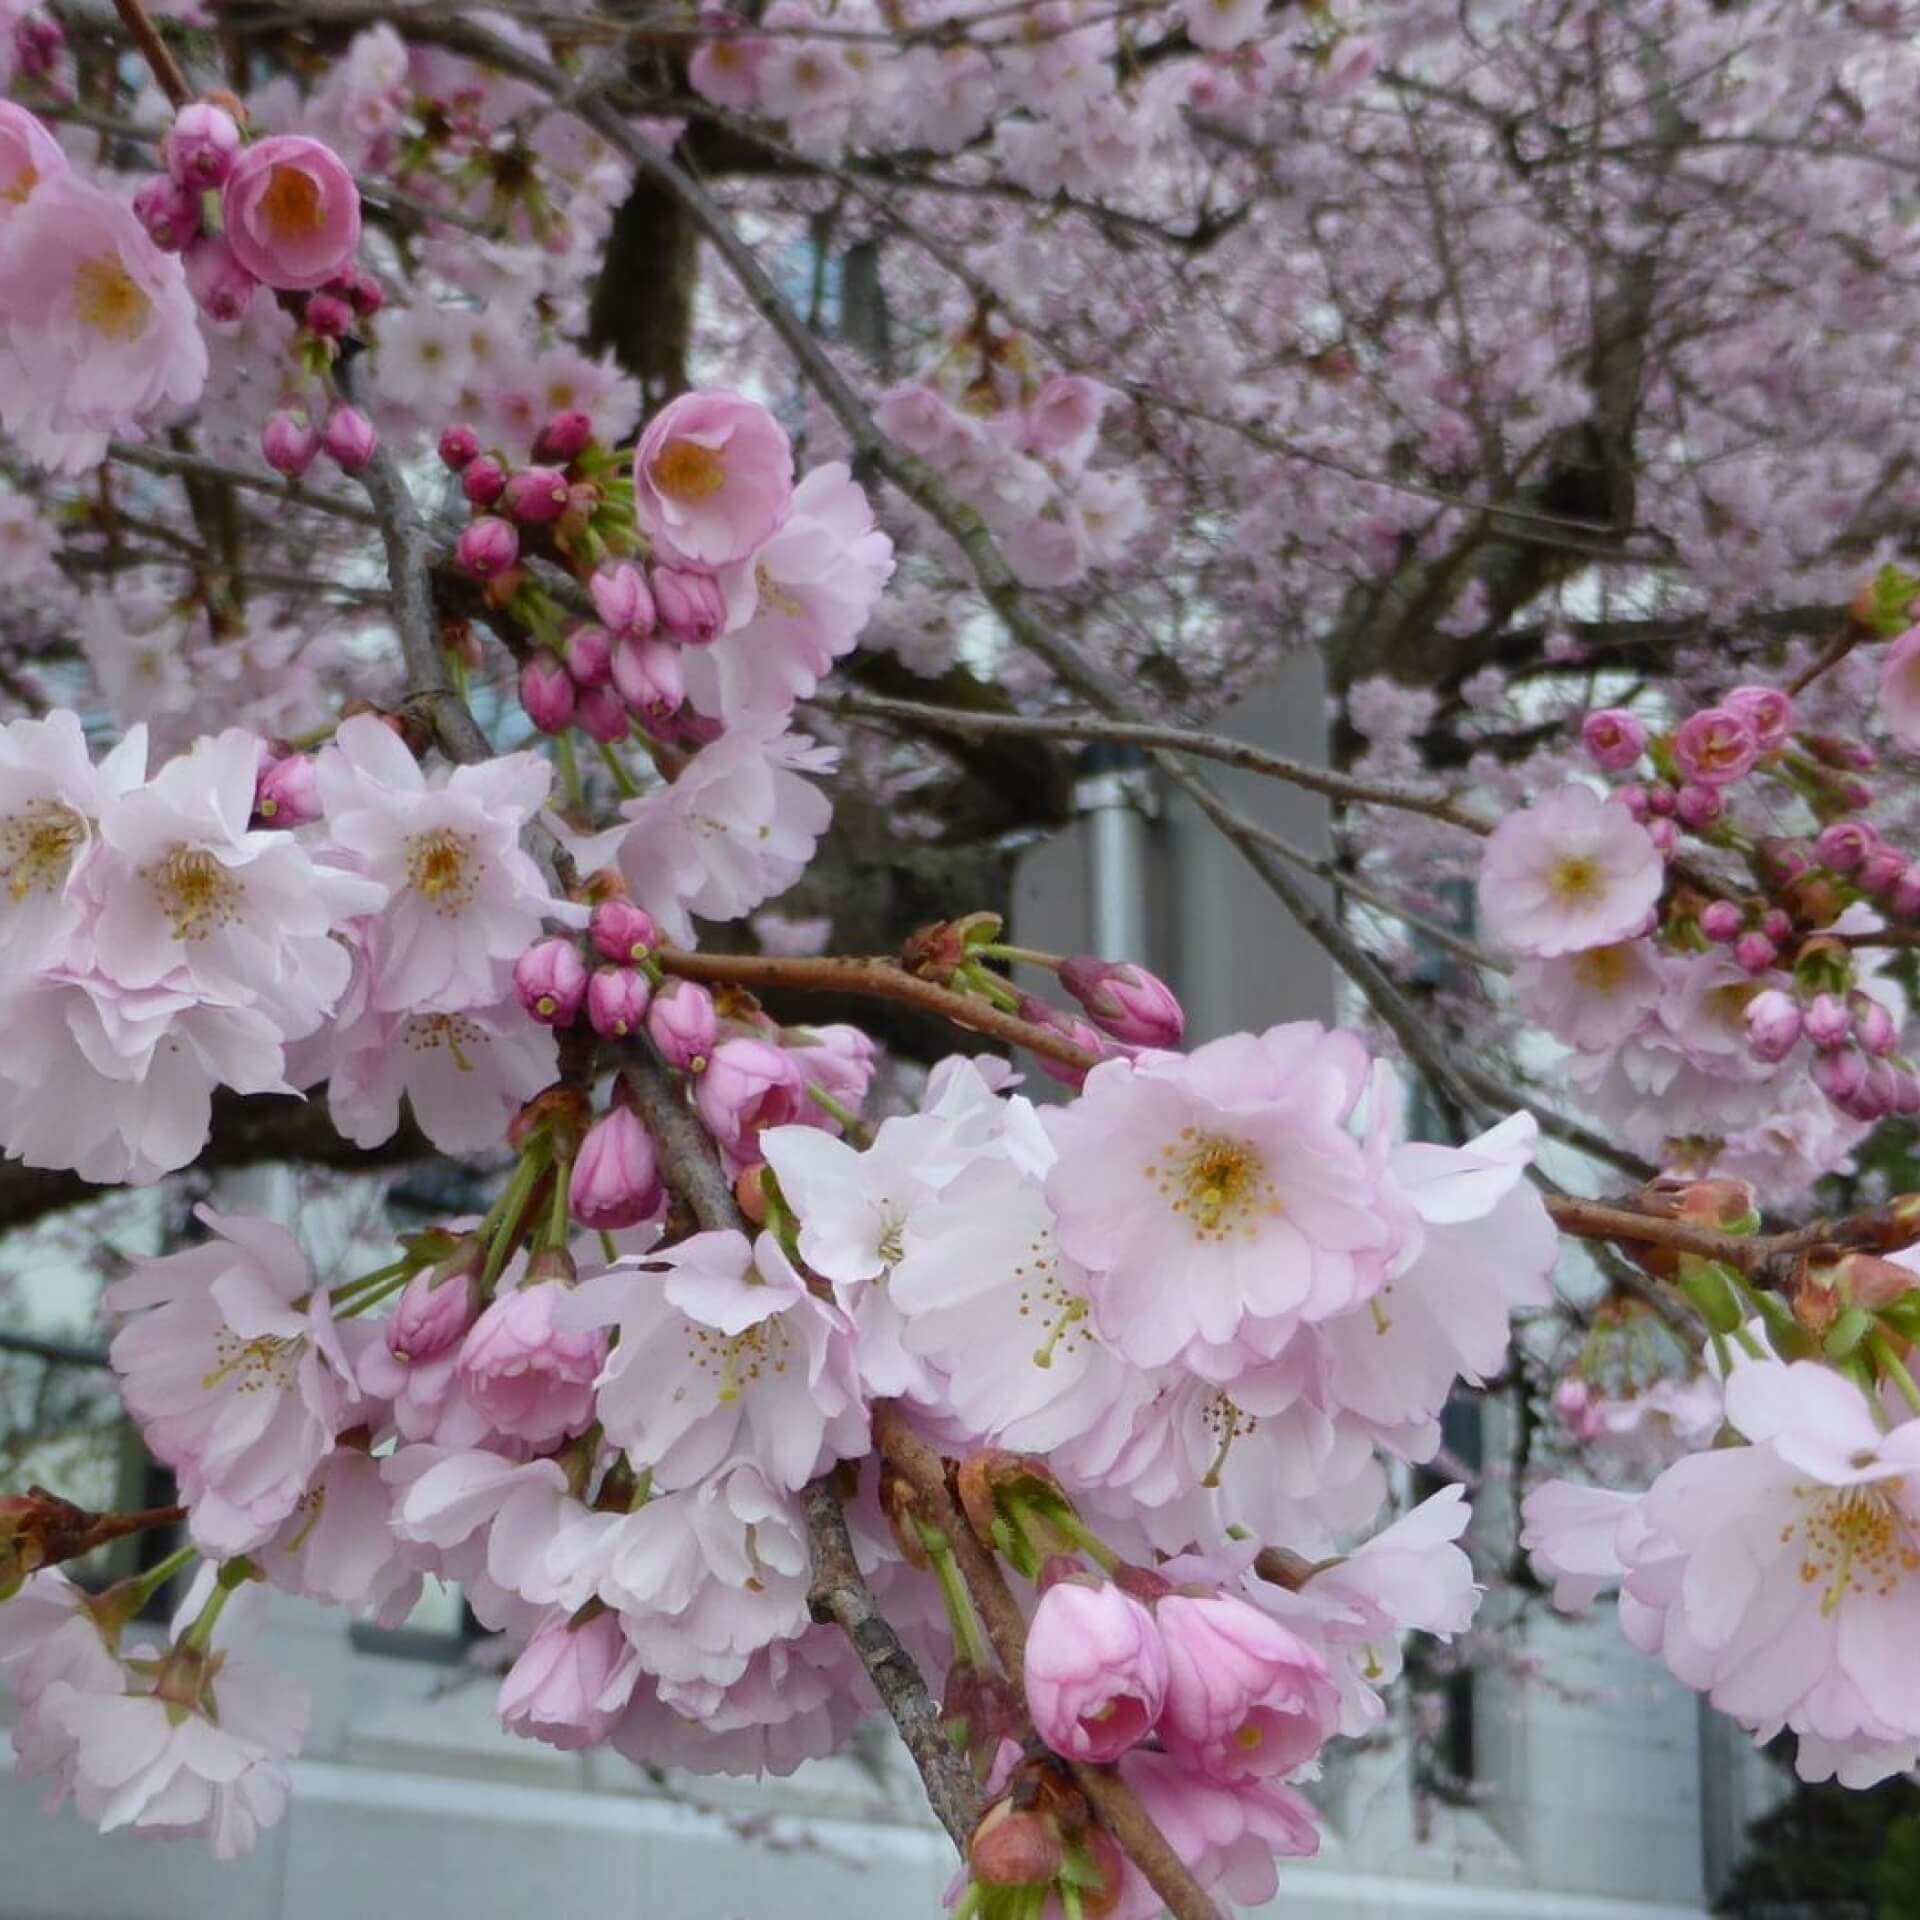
546 692
349 440
1767 711
1881 870
1873 1025
602 715
1879 1091
200 146
748 1085
1634 799
1573 1403
286 792
1096 1671
1699 807
221 287
1245 1697
1715 745
682 1023
37 41
622 600
483 480
436 1311
690 606
1842 846
590 656
622 932
1777 924
617 1001
1125 1001
1660 800
535 496
1905 898
1042 1013
1755 952
1721 920
1614 739
1828 1024
564 438
459 448
1853 756
569 1684
487 547
1906 1092
1854 795
1773 1025
366 293
288 442
532 1379
327 317
551 980
616 1174
170 214
1664 835
648 676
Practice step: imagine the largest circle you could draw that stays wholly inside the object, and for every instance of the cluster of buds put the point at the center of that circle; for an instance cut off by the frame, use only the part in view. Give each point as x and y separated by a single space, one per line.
281 212
1851 1035
38 41
290 442
1125 1007
626 667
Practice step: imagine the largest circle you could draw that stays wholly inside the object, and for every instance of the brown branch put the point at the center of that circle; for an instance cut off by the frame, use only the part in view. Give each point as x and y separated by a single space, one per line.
838 1593
154 51
1107 1793
1882 1229
876 980
1206 746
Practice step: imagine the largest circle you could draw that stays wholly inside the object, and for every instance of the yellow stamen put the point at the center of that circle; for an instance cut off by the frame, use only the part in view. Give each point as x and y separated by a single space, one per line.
195 892
685 470
107 300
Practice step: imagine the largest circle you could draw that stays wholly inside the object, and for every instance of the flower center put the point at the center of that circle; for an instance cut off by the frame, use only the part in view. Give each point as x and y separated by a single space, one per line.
195 892
1060 1312
439 865
1603 969
292 203
740 1359
1217 1184
107 300
454 1031
265 1363
16 190
685 470
773 598
37 847
1574 877
1856 1541
1227 1423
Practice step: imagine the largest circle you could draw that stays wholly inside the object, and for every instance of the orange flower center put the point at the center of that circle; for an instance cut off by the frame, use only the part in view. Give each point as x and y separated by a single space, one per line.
107 300
685 470
292 203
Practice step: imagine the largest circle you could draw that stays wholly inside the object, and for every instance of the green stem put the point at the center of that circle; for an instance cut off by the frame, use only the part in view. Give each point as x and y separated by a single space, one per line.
373 1296
965 1623
856 1128
1895 1368
233 1575
1002 950
509 1207
629 787
1089 1542
607 1247
975 978
145 1585
559 1212
563 758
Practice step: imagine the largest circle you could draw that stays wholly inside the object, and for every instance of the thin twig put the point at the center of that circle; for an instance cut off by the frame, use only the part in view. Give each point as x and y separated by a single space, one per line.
876 980
193 466
1206 746
154 51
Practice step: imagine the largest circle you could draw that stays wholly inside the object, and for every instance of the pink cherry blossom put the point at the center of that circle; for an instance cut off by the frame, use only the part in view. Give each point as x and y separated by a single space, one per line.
1900 688
727 1353
571 1682
291 211
530 1371
99 334
713 476
1231 1166
1567 873
1096 1671
29 155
